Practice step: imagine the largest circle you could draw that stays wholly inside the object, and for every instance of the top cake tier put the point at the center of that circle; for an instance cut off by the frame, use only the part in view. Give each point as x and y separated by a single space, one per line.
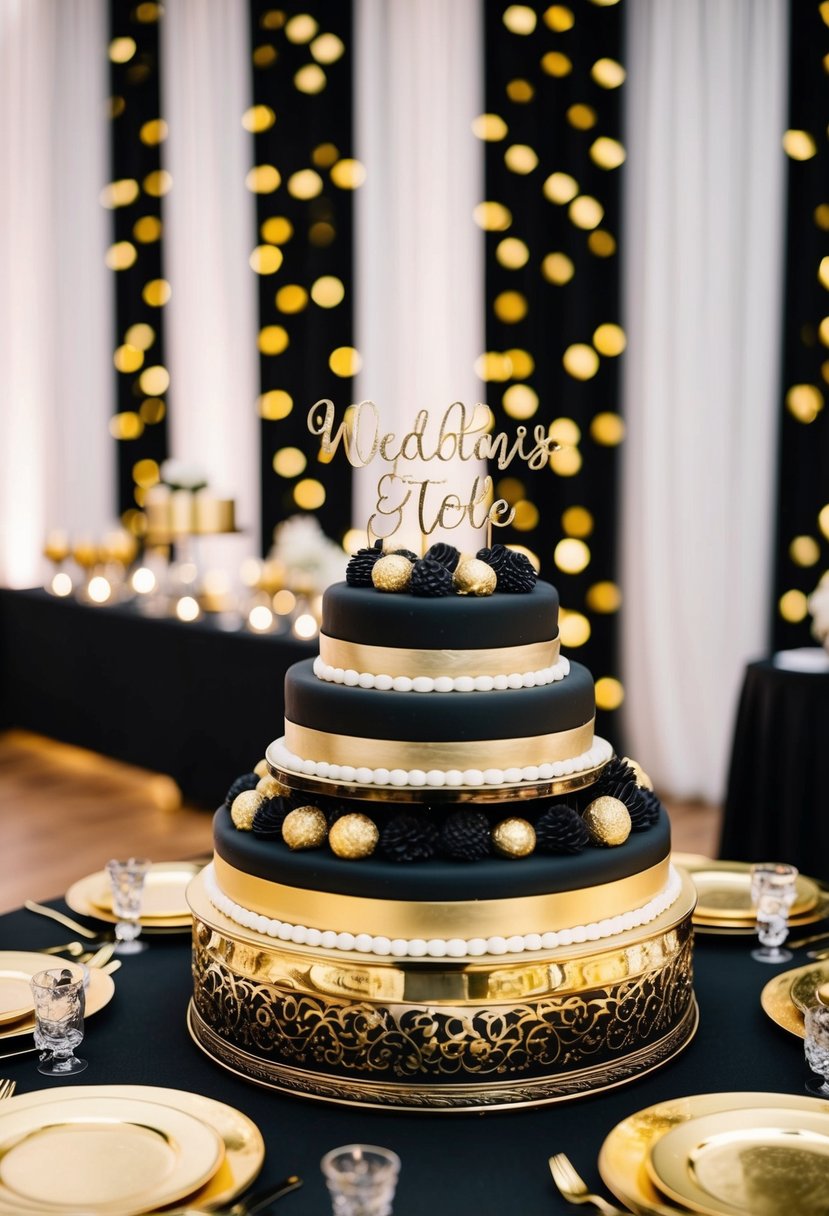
367 631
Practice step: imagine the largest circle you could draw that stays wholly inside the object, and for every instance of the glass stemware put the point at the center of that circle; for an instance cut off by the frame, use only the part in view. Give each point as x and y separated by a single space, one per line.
59 1001
361 1179
127 882
772 893
817 1049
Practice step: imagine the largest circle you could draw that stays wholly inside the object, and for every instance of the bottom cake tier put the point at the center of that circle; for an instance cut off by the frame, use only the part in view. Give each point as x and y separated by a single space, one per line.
417 1034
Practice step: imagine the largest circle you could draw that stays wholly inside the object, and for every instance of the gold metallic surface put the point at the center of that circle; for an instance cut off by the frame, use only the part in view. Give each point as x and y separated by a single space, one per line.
724 893
245 806
402 661
353 836
642 779
305 828
805 985
480 754
392 573
513 838
776 1001
269 787
608 821
474 577
261 768
462 918
99 993
523 791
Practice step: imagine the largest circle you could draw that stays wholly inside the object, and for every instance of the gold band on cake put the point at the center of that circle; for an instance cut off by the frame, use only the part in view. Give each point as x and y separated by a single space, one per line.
481 754
394 661
421 919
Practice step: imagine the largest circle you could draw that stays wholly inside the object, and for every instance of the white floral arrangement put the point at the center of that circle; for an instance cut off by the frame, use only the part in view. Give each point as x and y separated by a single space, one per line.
311 560
179 475
819 608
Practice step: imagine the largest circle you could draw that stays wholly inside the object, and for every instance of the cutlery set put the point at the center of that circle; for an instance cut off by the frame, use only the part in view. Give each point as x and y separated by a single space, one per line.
574 1189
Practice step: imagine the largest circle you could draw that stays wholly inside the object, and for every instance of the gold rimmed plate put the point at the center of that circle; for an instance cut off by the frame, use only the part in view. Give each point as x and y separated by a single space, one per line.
88 895
162 898
624 1154
15 994
103 1156
99 992
776 1001
244 1148
805 985
724 892
768 1161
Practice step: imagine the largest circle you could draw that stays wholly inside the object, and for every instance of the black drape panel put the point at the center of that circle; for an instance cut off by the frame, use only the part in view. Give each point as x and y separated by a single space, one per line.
802 550
137 185
303 177
554 81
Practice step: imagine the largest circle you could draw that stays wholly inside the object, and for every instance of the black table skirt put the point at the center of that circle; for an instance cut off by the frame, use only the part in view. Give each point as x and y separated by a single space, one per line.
188 700
468 1165
777 805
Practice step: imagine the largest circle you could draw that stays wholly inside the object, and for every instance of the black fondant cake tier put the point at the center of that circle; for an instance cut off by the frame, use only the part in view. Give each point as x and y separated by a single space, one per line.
436 880
368 713
365 615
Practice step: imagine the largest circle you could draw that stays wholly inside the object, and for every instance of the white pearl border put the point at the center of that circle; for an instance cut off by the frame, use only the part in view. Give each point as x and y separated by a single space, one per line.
599 753
365 679
456 947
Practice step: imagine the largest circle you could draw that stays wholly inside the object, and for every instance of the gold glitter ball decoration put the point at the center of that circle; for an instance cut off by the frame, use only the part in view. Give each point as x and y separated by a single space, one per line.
271 788
642 779
261 769
245 806
305 828
474 577
353 836
392 573
513 838
608 821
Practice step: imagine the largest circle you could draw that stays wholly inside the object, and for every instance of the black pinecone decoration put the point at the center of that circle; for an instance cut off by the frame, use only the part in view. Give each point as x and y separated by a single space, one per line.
560 829
409 838
617 772
407 553
496 556
360 565
518 574
465 836
447 555
333 810
430 578
268 820
653 806
634 800
248 781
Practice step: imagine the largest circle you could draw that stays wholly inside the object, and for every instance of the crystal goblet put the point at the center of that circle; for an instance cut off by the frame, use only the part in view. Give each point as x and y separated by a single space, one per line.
127 883
59 1001
772 893
361 1179
816 1044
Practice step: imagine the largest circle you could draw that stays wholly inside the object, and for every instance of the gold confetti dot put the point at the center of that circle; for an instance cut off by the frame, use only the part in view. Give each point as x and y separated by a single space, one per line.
301 28
555 63
608 74
557 268
141 336
609 339
607 153
512 253
804 551
565 431
321 233
493 366
580 361
510 307
327 48
799 145
559 18
345 361
804 402
571 555
121 50
325 155
273 340
526 516
520 91
146 473
289 462
823 331
156 292
793 606
607 429
147 229
265 259
277 230
560 188
489 127
574 628
121 255
310 79
581 117
348 174
258 118
291 298
128 358
158 183
601 243
263 179
328 291
604 597
127 425
492 217
273 19
586 211
274 405
264 55
309 494
520 158
523 364
520 401
511 489
520 19
566 463
120 193
609 693
823 272
305 184
577 521
154 380
152 410
153 132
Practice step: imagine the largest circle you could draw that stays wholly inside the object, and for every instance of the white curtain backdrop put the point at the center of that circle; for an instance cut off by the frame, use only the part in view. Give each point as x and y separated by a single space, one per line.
210 230
703 239
419 257
56 339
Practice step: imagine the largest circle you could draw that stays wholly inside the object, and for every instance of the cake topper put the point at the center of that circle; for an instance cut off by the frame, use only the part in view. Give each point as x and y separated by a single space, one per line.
463 433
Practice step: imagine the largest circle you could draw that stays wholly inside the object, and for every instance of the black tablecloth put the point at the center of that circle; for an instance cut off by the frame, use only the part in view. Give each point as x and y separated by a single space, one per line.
469 1165
185 699
777 805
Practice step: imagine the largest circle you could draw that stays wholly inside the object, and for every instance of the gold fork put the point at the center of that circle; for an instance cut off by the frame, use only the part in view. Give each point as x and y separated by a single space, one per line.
574 1189
7 1088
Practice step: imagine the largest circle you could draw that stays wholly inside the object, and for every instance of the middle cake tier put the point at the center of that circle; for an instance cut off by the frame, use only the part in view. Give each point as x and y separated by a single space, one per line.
500 736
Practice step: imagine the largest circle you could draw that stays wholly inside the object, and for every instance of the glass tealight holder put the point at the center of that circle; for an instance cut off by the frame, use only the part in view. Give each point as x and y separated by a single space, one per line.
127 884
59 1002
361 1179
773 889
816 1044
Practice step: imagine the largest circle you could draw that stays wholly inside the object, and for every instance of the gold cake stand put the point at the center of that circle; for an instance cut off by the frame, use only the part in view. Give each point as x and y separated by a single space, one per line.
442 1034
521 791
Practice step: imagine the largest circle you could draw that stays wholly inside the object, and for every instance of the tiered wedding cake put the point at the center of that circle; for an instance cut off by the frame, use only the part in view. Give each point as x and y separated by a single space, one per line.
445 892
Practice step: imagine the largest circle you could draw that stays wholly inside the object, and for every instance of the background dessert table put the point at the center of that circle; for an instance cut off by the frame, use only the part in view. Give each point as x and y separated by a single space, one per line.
467 1164
775 807
188 700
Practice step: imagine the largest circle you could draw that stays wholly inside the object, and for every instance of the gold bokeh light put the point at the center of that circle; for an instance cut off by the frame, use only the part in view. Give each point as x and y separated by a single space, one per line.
520 19
492 217
305 184
489 127
273 339
274 405
560 188
345 361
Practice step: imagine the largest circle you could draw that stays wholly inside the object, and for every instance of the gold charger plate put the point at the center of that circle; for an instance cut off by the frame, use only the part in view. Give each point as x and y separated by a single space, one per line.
724 892
162 898
15 994
624 1153
99 993
244 1147
805 985
83 896
769 1162
103 1156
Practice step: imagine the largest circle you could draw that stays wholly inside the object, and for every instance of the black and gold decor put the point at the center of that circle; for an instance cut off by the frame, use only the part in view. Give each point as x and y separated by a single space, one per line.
802 547
554 80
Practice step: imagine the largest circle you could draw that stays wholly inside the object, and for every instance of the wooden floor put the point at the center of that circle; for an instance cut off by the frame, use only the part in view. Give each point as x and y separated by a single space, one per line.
64 811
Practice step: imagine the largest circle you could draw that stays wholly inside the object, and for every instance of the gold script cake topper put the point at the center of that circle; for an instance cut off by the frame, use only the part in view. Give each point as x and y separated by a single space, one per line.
463 434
